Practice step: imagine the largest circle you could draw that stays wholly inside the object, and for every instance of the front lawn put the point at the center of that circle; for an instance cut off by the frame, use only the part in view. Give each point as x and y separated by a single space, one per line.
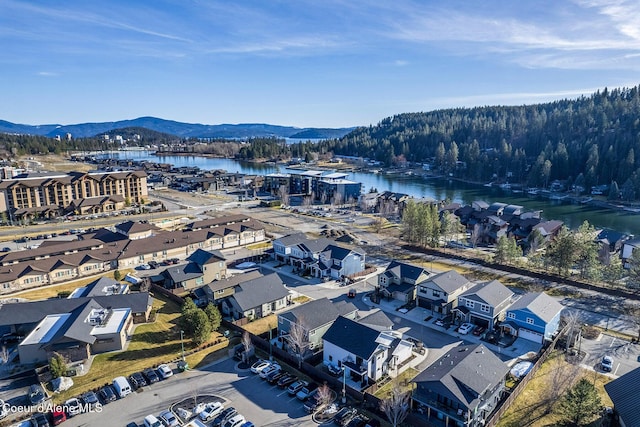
262 325
404 380
151 344
537 405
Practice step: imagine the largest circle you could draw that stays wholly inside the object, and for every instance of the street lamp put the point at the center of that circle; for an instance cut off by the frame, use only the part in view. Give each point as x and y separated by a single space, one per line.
270 338
344 385
182 343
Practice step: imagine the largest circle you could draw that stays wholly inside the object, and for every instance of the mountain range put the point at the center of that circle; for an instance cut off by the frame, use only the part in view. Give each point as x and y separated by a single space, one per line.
183 130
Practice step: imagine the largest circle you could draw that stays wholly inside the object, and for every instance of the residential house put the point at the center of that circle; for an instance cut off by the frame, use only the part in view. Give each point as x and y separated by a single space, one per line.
392 204
624 392
314 317
462 388
337 262
203 267
103 286
218 290
548 229
535 317
297 248
440 293
484 304
257 298
612 240
364 352
399 280
629 247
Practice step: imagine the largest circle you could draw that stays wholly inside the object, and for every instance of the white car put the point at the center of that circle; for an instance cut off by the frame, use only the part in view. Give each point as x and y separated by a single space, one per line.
607 364
165 371
168 419
465 328
211 410
269 369
73 406
259 366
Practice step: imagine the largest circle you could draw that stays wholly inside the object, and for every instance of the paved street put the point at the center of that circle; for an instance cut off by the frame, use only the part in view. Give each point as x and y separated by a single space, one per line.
252 397
626 355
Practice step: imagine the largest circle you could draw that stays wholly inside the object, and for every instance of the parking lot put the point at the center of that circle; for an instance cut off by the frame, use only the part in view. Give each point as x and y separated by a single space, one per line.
255 399
625 354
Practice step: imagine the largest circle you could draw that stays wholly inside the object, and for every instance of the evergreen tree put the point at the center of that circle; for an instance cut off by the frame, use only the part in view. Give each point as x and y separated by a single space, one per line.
214 316
581 403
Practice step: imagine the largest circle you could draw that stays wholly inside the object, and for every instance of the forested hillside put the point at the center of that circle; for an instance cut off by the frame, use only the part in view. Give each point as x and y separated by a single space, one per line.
589 141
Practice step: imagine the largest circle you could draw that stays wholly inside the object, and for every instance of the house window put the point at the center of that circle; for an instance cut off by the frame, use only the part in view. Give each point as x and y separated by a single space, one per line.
312 333
199 281
469 304
511 315
423 290
529 320
484 308
436 293
220 291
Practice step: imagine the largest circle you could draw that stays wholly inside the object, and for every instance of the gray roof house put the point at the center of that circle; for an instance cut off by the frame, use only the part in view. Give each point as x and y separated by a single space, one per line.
365 352
202 268
294 248
257 298
440 293
624 392
399 280
218 290
315 317
484 304
103 286
462 388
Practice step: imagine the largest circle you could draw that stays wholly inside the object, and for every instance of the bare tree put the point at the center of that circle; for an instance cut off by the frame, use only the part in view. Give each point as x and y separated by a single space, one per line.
475 235
283 193
248 346
634 312
4 354
324 396
561 377
298 339
572 320
396 404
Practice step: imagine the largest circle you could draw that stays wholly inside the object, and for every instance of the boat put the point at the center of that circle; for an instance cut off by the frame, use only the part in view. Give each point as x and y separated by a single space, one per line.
586 200
533 191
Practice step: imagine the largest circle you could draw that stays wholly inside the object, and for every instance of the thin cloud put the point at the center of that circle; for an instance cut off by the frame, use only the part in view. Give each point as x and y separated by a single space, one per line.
47 74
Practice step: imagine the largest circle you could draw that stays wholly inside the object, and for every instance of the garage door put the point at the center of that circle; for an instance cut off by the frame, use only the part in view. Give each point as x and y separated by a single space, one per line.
530 335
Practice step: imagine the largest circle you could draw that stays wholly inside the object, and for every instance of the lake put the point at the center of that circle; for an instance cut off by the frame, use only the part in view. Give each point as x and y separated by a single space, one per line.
440 189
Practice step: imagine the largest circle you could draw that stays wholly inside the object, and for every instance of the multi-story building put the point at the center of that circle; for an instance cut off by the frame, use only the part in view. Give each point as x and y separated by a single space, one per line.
50 194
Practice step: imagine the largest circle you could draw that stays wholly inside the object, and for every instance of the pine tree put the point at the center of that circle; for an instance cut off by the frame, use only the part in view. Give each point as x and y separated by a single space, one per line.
581 403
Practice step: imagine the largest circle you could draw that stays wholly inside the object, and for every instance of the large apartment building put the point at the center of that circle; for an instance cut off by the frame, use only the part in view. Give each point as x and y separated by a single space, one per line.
51 194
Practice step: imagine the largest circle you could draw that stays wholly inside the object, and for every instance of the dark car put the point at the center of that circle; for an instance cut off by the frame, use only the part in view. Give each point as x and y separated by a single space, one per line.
345 415
6 249
40 420
173 260
478 330
107 394
352 293
223 416
153 264
11 338
137 380
36 394
287 380
151 375
358 421
274 377
90 399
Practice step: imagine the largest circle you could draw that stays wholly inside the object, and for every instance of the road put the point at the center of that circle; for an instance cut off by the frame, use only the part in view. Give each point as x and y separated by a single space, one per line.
258 401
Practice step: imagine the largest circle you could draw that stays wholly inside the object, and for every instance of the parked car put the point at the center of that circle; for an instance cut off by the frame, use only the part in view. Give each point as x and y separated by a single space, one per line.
307 391
58 416
153 264
144 267
168 419
137 380
90 399
607 363
287 380
36 394
479 330
358 421
151 421
311 406
296 387
223 416
165 371
107 394
39 420
274 377
274 367
151 375
352 293
211 410
11 338
259 366
6 249
74 406
465 328
248 424
345 415
235 421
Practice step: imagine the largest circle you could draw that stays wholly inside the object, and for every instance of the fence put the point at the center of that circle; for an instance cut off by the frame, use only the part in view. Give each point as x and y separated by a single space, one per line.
519 388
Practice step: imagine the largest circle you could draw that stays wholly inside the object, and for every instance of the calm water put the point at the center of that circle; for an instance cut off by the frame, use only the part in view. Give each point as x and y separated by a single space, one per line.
440 189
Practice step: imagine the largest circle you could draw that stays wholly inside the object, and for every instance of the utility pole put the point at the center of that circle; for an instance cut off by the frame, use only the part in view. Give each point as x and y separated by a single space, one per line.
182 343
344 385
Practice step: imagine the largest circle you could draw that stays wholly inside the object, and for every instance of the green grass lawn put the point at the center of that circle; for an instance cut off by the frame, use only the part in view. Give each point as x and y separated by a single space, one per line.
404 379
151 344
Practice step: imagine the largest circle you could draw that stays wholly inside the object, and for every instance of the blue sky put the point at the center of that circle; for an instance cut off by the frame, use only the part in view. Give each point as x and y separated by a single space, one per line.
304 62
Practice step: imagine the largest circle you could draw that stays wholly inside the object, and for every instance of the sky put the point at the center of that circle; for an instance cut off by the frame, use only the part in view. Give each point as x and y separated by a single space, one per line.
304 63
